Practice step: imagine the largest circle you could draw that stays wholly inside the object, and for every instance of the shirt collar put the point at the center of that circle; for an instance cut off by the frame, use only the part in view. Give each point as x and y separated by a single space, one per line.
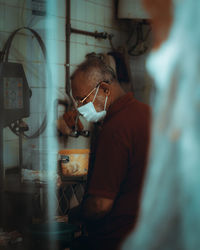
118 105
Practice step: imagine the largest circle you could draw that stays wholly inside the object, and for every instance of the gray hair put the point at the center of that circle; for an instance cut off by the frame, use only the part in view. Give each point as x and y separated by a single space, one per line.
95 62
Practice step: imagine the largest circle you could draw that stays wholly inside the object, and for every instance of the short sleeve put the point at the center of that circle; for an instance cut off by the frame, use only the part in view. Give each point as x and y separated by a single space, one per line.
110 166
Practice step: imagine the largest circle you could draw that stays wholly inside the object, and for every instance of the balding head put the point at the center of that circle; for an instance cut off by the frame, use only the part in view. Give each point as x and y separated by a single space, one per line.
88 75
95 69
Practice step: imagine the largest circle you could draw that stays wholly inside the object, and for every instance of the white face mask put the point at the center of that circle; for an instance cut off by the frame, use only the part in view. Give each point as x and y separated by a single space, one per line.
89 112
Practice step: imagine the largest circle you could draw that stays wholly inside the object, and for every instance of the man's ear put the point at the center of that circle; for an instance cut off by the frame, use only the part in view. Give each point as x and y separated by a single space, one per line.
106 88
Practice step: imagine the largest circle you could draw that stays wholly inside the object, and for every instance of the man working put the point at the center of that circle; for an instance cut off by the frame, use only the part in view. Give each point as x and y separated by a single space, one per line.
110 206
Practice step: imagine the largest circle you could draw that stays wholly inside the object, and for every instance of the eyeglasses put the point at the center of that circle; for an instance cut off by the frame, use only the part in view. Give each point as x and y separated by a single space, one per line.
81 101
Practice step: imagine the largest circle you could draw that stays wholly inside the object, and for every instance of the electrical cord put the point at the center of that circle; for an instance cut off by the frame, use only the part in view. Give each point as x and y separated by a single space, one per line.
139 46
4 58
7 46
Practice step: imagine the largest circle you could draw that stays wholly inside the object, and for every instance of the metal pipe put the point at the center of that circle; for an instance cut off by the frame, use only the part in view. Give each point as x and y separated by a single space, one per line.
95 34
2 175
68 35
20 151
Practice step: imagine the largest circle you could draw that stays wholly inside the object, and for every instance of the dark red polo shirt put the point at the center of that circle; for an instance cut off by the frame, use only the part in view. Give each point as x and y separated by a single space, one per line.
118 170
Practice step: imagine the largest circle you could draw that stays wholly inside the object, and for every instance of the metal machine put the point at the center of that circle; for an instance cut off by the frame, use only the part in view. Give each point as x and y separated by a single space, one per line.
15 97
14 93
14 105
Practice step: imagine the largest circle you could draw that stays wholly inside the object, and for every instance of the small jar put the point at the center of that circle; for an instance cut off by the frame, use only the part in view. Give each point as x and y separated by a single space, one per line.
68 168
74 162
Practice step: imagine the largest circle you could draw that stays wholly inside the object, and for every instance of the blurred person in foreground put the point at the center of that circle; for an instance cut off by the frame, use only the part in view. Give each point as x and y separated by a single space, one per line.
169 217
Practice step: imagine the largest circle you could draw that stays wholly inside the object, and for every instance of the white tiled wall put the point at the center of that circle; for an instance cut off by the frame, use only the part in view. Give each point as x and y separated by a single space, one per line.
93 16
89 15
142 84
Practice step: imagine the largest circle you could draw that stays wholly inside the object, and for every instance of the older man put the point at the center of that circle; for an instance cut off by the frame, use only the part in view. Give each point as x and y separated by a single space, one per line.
111 202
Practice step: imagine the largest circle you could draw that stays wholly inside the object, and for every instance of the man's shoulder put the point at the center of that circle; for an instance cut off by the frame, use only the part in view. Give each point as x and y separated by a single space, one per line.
131 111
140 106
135 114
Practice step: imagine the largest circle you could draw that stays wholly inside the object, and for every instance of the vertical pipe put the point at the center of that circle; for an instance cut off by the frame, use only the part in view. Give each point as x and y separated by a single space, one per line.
1 177
1 158
68 34
1 129
20 153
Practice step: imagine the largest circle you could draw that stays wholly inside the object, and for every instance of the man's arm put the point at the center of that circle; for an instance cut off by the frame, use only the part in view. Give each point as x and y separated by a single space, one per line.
93 208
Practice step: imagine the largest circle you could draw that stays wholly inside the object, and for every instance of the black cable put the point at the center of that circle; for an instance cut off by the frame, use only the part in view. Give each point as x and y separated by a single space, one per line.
140 39
41 43
137 40
4 58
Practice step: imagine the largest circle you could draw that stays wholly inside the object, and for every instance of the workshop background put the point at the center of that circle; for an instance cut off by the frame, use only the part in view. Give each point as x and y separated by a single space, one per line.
69 30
